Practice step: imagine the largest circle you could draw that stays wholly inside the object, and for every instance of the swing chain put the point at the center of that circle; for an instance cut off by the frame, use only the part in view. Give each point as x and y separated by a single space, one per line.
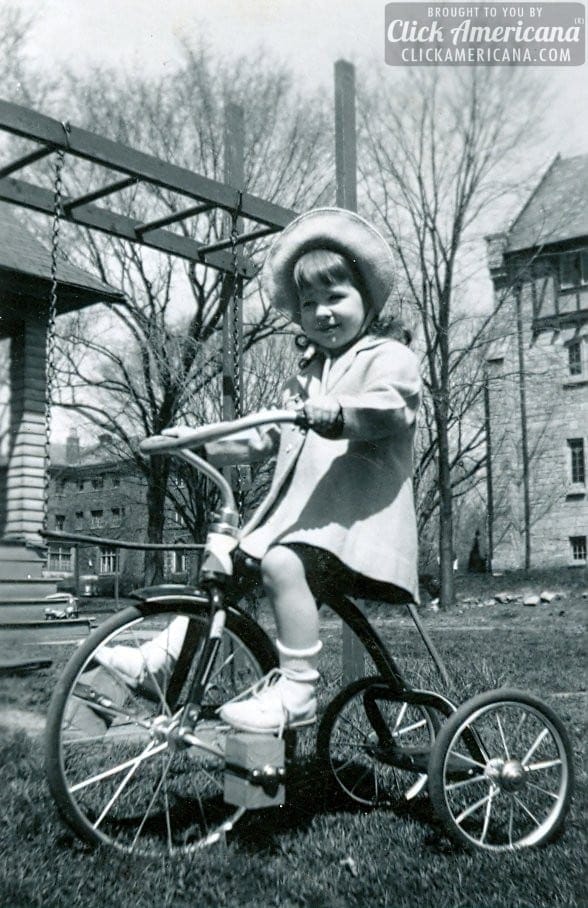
51 319
235 316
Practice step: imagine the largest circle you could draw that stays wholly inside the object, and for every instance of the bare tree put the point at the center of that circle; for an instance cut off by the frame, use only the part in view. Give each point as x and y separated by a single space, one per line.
154 360
438 155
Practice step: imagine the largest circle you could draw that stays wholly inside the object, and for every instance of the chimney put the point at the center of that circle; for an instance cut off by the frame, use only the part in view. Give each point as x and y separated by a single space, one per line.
496 244
72 448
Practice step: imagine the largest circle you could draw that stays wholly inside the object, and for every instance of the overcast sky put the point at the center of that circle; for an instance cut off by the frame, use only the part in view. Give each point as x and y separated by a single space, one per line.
309 35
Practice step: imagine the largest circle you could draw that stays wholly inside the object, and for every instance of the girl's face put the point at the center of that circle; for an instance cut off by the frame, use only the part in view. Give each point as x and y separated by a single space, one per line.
332 316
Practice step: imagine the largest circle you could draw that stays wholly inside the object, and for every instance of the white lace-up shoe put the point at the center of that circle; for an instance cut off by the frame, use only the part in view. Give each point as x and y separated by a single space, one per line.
136 667
150 664
282 699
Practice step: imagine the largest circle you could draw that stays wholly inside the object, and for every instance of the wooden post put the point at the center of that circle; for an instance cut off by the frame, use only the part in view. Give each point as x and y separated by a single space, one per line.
346 170
489 469
116 574
76 550
524 429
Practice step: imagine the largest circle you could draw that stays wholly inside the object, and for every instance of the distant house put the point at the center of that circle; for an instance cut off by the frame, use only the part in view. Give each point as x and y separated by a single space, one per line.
93 491
537 377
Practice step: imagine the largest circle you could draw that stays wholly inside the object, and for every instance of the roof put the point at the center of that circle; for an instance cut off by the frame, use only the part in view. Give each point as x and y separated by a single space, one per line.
557 210
25 266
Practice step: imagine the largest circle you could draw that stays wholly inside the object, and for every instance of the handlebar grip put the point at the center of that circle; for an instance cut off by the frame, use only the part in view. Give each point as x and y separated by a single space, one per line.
301 420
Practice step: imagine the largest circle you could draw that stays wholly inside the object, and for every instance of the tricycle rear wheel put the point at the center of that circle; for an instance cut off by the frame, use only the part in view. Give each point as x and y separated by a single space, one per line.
375 745
501 772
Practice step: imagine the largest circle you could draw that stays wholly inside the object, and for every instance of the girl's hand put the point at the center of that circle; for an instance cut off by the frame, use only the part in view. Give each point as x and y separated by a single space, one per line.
324 416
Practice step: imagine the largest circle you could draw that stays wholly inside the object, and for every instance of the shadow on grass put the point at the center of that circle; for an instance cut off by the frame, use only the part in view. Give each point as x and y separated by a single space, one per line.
311 793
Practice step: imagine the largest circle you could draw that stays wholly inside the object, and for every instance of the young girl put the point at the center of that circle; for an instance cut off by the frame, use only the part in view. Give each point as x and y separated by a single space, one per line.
340 510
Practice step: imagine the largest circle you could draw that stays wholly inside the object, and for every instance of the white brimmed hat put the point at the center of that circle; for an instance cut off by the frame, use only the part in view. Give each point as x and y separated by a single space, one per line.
328 228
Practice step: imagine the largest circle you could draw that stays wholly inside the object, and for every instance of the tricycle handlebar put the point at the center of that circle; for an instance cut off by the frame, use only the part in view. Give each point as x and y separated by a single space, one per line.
164 444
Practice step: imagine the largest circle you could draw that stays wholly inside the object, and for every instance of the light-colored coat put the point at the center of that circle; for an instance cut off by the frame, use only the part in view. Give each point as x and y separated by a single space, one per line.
352 496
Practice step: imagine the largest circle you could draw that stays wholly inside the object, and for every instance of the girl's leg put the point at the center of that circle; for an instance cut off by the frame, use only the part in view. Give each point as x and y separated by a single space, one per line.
284 579
291 700
135 663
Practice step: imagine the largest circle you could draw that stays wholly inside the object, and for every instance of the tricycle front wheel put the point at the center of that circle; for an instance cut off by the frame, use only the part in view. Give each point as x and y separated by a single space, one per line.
501 772
117 769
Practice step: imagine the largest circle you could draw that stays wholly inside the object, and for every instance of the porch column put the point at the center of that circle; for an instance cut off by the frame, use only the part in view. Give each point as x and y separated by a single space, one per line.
25 475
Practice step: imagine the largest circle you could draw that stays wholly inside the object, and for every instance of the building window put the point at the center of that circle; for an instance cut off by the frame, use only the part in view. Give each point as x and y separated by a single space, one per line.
115 482
179 562
578 547
575 358
116 515
577 461
79 521
61 486
573 269
60 559
98 482
96 519
59 522
108 562
178 517
81 485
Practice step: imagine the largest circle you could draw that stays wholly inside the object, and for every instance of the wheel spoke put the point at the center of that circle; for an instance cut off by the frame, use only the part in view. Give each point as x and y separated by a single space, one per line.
538 740
347 763
408 728
150 751
360 778
501 730
473 807
224 664
521 722
487 817
466 759
399 718
170 844
510 823
152 801
544 764
551 794
464 782
527 811
355 727
117 793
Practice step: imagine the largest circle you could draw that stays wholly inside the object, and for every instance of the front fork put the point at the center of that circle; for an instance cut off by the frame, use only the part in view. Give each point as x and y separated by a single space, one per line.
191 712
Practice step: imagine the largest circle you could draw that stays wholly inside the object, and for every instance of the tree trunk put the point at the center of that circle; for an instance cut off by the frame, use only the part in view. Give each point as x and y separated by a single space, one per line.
446 555
156 497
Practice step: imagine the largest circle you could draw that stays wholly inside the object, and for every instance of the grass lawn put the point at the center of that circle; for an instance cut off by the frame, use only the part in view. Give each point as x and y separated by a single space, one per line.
316 851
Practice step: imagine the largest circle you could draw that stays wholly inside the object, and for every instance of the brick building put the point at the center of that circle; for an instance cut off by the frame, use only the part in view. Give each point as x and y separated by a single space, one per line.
95 492
537 377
